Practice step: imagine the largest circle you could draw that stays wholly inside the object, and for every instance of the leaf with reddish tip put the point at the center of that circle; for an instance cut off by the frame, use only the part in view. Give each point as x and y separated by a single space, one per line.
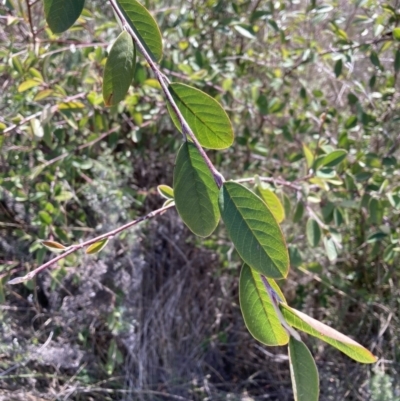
54 246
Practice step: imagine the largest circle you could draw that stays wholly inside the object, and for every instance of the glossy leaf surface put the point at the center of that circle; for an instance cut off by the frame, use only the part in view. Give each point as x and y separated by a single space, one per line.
205 116
144 25
303 371
195 191
253 230
119 69
165 191
257 309
62 14
331 336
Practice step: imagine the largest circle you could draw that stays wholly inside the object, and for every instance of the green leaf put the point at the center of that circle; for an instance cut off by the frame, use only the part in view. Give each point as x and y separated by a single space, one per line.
333 158
396 34
97 246
331 336
397 61
144 25
303 371
29 84
258 312
62 14
273 202
313 232
330 248
54 246
298 212
119 69
165 191
195 191
45 218
376 211
309 155
205 116
375 59
338 67
253 230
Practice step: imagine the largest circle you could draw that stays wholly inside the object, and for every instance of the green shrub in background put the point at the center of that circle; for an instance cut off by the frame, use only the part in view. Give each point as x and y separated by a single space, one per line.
330 157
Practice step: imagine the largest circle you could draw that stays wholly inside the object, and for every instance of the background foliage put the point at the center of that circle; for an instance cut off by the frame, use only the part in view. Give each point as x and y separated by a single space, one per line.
156 314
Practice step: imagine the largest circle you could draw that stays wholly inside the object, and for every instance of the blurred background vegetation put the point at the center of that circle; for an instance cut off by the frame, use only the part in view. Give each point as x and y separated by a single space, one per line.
155 316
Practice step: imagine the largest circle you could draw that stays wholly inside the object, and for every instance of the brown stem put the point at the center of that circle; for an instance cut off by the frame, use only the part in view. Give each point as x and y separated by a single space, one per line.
162 79
74 248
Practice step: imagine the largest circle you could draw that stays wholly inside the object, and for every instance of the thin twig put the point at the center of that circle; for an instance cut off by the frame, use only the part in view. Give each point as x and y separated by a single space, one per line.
53 109
162 79
74 248
33 29
273 180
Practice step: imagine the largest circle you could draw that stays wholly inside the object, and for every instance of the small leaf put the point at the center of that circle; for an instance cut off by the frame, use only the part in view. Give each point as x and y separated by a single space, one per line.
258 312
62 14
333 158
205 116
376 211
54 246
195 191
168 202
338 67
119 69
273 203
144 25
396 34
375 59
37 128
298 212
397 61
313 232
165 191
97 246
309 155
28 84
331 336
303 371
330 248
45 218
253 230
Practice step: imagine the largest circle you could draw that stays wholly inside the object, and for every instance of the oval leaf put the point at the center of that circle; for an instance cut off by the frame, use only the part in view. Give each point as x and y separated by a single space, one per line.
165 191
308 155
205 116
273 203
195 191
313 232
119 69
144 25
54 246
97 247
258 312
253 230
333 158
62 14
303 371
330 248
325 333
